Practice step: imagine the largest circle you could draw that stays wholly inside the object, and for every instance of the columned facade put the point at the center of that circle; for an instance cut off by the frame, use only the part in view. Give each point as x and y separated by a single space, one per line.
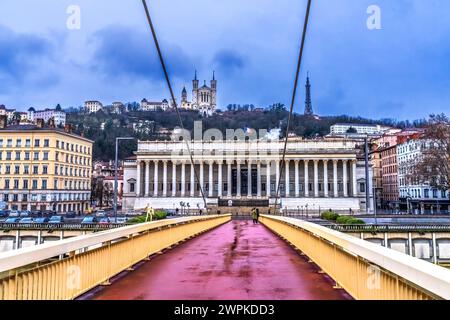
326 178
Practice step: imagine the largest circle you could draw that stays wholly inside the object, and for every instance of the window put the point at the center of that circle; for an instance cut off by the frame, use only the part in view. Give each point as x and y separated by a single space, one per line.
17 155
362 187
44 184
132 187
25 184
435 193
443 194
55 183
56 170
43 197
16 169
46 155
8 155
19 143
16 184
1 143
34 184
44 169
57 144
7 169
28 143
27 155
37 142
35 169
9 143
5 197
46 143
6 183
24 197
15 197
36 156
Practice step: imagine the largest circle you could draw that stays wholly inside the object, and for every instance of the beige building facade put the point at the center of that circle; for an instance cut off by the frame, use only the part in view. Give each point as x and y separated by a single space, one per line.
44 169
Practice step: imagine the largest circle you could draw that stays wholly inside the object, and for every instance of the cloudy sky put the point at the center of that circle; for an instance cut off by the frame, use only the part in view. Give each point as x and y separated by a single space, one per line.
401 71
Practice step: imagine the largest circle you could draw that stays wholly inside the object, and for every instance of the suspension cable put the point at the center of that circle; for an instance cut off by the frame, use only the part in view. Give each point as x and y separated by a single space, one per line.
294 93
166 75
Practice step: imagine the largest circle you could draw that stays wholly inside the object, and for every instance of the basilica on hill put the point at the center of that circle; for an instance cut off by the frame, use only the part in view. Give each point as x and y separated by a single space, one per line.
204 98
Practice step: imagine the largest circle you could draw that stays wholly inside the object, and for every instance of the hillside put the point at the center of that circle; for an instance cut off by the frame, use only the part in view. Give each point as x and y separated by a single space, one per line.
103 128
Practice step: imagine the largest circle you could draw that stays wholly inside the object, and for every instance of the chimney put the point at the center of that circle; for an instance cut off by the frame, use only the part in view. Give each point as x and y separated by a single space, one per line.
40 123
3 121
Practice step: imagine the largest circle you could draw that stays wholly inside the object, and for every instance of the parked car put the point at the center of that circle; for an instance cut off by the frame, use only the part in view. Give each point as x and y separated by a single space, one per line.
100 213
3 214
121 220
104 220
89 220
12 220
48 213
36 213
71 214
26 220
14 214
56 219
41 220
25 213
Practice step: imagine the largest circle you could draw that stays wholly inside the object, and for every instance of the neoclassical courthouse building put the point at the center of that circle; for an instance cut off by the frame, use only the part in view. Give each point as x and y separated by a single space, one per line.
319 174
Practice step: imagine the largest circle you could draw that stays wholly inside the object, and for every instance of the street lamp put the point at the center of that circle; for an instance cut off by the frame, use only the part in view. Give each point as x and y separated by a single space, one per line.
115 173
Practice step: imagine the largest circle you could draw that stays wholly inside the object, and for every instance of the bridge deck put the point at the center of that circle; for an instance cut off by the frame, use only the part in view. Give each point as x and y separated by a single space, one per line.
237 260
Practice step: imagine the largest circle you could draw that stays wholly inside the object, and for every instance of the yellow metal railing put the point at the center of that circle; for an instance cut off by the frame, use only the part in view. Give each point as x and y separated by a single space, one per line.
365 270
38 273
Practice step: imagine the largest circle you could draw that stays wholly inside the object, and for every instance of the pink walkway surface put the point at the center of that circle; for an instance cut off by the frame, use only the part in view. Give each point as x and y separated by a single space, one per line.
238 261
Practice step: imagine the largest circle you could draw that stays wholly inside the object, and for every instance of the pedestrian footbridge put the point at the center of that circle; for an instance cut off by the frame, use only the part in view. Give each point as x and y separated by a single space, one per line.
214 257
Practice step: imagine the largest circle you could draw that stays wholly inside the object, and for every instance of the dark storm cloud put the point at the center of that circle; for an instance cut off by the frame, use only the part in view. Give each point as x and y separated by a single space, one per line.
124 52
229 61
21 58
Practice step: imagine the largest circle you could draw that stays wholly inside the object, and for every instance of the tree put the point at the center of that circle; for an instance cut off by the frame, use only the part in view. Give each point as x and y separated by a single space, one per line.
352 130
433 167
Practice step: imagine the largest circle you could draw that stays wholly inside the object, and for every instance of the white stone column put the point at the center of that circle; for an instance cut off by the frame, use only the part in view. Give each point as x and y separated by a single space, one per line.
165 178
183 179
238 193
249 178
210 179
344 177
354 182
155 179
287 187
325 177
147 178
138 179
229 179
268 179
296 180
220 182
335 178
306 179
174 178
192 191
316 178
277 174
201 177
258 179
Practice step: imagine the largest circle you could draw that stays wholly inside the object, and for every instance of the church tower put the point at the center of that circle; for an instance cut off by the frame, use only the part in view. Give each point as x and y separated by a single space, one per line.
308 104
195 90
214 91
184 95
